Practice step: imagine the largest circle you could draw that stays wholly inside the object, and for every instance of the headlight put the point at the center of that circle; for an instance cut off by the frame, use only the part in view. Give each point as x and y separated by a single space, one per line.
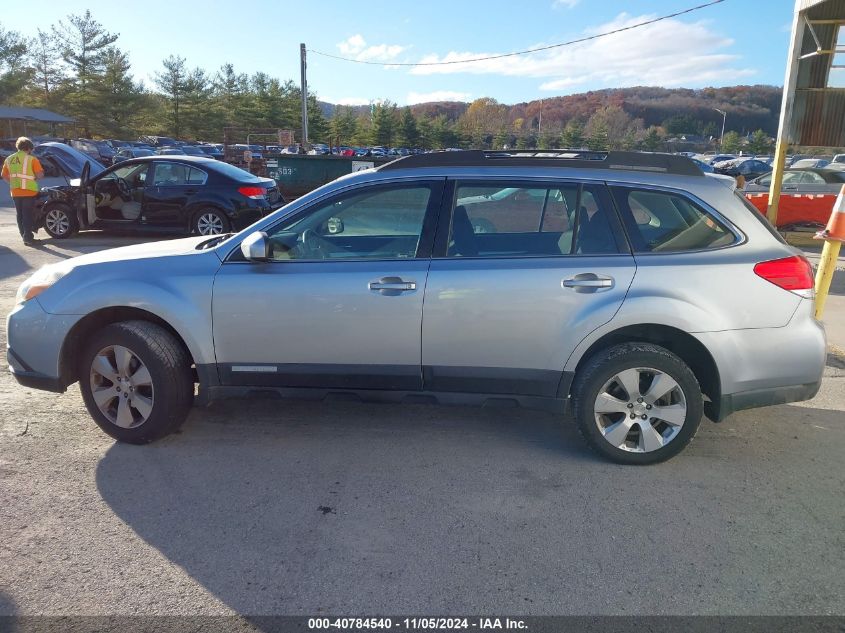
40 281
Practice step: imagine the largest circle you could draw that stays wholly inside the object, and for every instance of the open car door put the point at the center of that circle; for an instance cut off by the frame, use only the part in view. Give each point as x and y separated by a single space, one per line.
88 195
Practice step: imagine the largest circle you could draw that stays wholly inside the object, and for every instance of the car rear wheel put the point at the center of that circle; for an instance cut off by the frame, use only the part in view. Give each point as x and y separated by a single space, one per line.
136 381
60 222
210 222
637 403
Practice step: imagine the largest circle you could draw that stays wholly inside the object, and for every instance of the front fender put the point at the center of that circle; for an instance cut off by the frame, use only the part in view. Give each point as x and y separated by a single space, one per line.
178 290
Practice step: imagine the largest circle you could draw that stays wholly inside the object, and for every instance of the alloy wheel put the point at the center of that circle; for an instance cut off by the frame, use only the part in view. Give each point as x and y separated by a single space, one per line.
640 410
209 224
57 222
121 386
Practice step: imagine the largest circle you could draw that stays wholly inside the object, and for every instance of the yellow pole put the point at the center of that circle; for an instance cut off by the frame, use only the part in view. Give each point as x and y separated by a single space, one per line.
824 275
777 179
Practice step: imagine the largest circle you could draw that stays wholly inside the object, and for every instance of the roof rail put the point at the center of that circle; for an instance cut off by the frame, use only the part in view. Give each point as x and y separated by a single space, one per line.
578 158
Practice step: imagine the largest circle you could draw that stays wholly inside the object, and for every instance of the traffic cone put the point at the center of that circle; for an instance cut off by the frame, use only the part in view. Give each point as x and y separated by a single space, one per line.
835 229
833 236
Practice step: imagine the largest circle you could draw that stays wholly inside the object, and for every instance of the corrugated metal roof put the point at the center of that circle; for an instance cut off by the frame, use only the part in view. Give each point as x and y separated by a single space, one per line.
32 114
818 115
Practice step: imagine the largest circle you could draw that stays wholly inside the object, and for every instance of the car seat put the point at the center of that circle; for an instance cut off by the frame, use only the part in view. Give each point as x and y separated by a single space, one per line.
463 235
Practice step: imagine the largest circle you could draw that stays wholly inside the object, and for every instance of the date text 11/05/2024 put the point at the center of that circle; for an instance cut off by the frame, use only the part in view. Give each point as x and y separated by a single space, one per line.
413 624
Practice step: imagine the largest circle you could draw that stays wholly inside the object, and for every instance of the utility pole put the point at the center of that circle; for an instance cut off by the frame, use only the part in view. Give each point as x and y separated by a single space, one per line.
722 137
304 91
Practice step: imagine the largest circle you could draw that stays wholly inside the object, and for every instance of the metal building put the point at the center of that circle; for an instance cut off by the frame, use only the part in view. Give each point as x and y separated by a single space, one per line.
813 107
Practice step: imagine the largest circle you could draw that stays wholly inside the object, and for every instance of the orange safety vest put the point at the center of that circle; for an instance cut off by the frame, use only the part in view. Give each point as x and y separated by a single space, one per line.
21 173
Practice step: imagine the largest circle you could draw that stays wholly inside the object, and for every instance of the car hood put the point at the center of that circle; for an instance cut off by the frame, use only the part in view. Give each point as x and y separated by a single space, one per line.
68 160
163 248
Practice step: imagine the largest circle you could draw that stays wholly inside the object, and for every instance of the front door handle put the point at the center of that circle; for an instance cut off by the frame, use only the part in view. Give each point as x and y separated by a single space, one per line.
392 286
588 282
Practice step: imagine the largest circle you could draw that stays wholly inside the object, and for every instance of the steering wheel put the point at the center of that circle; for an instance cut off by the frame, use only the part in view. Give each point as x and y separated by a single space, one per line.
311 245
124 189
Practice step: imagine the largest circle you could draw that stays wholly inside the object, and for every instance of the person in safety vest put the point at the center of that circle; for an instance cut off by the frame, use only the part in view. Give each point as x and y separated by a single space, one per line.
22 170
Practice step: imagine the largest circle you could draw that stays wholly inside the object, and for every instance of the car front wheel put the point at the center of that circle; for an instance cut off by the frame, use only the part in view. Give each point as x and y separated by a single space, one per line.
60 222
136 381
637 403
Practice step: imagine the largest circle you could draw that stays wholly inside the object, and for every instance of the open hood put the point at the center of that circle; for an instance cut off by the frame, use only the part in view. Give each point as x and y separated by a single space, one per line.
70 162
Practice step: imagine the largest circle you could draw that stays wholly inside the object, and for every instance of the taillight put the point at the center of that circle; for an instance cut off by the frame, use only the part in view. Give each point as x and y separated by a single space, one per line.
255 193
789 273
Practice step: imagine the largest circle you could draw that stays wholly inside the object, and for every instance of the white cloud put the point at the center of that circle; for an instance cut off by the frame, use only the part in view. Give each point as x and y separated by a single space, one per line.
356 48
565 3
437 95
667 53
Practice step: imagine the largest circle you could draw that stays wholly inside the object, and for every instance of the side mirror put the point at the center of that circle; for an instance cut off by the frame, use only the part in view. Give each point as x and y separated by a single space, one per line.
256 247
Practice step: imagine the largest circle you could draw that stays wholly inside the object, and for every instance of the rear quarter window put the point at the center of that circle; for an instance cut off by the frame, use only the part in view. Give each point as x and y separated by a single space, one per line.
664 222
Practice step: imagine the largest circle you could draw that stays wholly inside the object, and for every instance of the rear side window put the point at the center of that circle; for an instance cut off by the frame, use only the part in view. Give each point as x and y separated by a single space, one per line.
760 217
512 220
660 222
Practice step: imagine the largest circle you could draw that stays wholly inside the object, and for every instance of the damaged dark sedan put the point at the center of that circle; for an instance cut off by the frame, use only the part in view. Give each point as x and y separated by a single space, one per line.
156 193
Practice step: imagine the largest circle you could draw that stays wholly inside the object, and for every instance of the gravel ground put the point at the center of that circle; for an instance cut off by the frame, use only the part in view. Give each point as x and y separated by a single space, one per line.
271 507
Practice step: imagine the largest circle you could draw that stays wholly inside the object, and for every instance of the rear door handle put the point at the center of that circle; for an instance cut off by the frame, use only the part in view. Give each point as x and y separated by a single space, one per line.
588 282
392 286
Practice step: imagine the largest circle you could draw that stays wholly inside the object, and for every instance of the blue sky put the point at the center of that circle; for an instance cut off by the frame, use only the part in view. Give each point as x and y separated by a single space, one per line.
738 41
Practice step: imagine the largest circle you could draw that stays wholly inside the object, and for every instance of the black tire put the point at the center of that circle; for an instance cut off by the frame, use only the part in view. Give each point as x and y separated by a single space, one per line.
60 221
200 218
602 367
169 368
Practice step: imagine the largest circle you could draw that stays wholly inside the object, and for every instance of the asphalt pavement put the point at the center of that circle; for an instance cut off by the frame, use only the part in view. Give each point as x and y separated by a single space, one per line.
288 507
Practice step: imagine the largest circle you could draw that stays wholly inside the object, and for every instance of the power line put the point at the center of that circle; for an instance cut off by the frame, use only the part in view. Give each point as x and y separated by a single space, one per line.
525 52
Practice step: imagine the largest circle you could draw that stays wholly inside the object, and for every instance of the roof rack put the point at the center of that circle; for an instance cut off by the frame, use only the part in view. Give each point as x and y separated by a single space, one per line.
578 158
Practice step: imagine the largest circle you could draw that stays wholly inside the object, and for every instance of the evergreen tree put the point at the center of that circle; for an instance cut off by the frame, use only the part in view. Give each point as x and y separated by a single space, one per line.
731 142
502 138
651 141
84 45
598 139
13 72
344 126
173 83
384 123
759 143
408 133
573 134
47 72
116 94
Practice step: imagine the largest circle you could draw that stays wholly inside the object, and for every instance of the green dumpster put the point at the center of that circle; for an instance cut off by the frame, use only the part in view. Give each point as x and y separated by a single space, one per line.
297 174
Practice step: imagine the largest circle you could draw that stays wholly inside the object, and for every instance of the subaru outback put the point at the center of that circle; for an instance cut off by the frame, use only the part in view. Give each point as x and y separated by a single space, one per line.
627 289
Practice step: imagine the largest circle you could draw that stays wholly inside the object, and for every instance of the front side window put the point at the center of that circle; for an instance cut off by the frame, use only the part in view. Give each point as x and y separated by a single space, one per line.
384 223
509 220
666 222
135 175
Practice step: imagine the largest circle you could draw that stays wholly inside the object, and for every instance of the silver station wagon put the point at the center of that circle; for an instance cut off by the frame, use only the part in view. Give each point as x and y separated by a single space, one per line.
629 288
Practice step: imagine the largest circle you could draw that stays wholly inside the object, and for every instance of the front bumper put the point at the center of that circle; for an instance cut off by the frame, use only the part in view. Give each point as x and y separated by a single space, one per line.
35 340
28 377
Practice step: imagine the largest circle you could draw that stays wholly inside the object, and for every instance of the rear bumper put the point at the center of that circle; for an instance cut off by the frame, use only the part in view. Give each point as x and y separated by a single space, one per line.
731 403
767 366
